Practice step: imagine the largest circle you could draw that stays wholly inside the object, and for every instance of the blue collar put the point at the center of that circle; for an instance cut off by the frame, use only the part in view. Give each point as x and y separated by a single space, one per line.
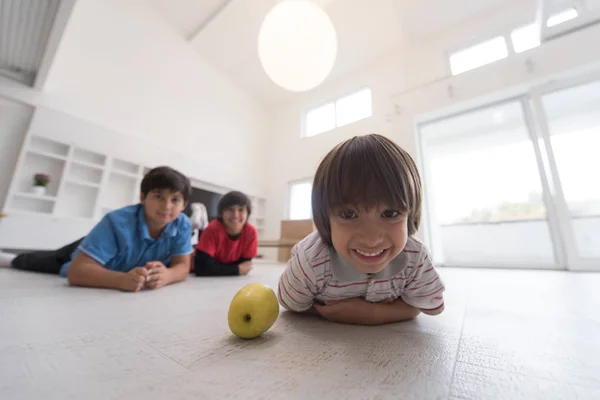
170 229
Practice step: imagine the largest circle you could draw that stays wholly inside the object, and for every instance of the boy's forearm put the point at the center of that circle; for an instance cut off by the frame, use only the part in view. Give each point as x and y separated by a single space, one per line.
396 311
178 272
383 313
359 311
94 276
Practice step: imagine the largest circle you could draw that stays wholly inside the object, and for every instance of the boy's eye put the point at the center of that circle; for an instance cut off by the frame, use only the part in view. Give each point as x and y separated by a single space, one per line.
390 214
175 199
348 214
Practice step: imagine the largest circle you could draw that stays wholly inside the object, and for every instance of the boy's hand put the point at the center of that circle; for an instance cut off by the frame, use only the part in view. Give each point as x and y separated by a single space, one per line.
245 267
344 311
158 275
134 280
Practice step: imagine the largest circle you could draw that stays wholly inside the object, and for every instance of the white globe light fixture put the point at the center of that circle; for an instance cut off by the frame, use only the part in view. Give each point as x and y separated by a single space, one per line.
297 45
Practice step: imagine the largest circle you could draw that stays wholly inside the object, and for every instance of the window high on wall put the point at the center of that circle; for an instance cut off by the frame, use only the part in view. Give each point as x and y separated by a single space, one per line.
522 39
339 112
479 55
300 200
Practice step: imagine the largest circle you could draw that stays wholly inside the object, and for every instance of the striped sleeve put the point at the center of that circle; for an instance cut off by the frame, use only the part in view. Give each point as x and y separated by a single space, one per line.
425 287
298 284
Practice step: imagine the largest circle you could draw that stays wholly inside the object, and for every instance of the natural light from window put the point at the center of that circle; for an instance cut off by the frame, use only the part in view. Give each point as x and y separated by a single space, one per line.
300 200
320 119
343 111
353 108
561 17
525 38
476 56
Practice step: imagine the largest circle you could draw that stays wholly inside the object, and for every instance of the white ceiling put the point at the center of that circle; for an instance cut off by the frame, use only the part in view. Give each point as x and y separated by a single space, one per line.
24 29
224 32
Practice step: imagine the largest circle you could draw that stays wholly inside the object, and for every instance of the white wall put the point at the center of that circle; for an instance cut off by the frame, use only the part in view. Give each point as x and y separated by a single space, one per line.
409 83
121 66
14 119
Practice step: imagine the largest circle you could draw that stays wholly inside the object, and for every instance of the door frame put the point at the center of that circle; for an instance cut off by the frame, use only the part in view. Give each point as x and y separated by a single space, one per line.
574 261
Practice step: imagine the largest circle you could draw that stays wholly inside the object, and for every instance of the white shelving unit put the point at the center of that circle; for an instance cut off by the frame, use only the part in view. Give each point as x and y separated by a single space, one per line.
83 184
257 218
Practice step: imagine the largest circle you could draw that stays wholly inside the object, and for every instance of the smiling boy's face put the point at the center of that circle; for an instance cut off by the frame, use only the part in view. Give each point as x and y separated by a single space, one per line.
161 207
368 238
234 218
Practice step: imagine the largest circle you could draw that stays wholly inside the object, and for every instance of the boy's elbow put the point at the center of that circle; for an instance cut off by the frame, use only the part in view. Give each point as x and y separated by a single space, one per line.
73 275
435 311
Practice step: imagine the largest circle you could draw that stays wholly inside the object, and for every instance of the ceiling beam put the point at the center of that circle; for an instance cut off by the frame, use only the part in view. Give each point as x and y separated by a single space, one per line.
61 19
211 17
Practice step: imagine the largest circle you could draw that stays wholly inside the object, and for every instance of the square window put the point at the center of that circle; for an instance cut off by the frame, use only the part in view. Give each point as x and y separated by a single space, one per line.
300 200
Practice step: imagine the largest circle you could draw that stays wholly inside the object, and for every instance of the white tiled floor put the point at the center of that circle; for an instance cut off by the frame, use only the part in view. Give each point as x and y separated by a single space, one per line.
504 335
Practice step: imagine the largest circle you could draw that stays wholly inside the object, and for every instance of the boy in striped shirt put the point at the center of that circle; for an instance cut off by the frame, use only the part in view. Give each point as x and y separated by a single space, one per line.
363 265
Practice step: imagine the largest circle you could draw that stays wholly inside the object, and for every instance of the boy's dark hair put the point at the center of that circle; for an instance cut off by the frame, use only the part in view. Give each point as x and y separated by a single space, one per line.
366 171
233 199
166 178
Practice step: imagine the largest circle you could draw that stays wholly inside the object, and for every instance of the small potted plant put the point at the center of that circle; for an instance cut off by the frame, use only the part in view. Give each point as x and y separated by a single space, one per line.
40 181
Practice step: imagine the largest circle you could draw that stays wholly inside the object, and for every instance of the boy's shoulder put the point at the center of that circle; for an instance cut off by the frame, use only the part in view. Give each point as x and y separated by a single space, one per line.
312 247
414 247
250 229
125 216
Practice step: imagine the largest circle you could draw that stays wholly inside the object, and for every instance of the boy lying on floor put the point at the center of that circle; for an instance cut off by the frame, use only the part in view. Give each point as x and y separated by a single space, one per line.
229 242
363 265
146 245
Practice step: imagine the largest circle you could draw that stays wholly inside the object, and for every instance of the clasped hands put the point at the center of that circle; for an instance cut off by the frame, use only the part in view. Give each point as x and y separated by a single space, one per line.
153 275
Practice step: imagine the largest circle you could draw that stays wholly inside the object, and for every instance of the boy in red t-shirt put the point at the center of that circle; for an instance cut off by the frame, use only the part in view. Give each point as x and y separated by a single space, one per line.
228 244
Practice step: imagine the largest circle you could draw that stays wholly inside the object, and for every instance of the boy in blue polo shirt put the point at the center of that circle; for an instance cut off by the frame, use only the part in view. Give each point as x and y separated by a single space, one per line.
147 245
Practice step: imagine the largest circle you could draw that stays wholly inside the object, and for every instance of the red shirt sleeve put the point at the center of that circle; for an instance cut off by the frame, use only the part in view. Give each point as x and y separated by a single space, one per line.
208 241
251 248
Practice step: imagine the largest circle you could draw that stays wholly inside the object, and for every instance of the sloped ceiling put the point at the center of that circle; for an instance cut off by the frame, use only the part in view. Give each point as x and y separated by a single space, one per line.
24 29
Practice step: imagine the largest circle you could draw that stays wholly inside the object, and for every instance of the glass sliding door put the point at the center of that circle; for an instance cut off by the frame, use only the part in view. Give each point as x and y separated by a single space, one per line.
572 125
484 195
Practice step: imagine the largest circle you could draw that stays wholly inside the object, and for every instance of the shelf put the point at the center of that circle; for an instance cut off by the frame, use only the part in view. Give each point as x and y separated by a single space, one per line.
125 167
31 203
77 200
34 196
85 173
125 174
89 158
71 181
87 164
119 191
15 212
46 154
48 147
35 163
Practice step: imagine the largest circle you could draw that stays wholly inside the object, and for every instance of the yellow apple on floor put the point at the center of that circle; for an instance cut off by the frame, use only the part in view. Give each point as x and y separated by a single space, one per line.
253 310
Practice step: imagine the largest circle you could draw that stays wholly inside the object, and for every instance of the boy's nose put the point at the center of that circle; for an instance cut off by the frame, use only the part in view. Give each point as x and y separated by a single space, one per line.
371 236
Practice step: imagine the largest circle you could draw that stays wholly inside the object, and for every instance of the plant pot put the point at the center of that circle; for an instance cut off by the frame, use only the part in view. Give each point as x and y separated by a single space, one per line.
38 190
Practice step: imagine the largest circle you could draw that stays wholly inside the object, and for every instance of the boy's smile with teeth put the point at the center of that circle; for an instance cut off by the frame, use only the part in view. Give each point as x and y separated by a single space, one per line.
369 254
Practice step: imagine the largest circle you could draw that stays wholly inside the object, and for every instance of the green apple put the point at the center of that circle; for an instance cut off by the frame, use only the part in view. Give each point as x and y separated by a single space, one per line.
253 310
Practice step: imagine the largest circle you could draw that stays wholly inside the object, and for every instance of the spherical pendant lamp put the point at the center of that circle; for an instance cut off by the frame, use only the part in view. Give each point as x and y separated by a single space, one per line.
297 45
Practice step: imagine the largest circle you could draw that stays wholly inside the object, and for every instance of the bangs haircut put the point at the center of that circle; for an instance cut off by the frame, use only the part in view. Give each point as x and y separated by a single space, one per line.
365 172
231 199
166 178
